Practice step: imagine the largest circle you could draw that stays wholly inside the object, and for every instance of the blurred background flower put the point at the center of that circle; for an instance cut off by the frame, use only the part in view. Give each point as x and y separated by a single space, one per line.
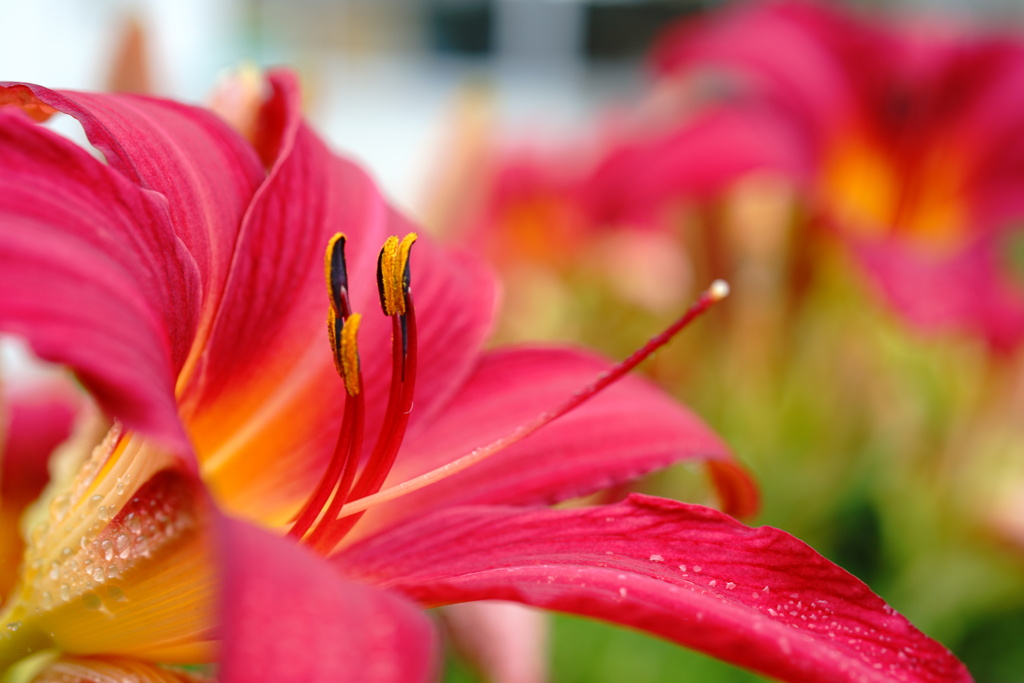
868 366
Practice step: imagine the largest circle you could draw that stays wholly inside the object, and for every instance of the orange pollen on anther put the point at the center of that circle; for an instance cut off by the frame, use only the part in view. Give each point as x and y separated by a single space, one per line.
349 353
393 273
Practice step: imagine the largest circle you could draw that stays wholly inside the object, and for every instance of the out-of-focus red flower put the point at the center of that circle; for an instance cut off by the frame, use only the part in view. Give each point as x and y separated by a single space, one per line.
182 281
531 203
909 142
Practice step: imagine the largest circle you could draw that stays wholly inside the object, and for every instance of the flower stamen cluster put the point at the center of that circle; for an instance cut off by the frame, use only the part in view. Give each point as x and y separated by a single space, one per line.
320 523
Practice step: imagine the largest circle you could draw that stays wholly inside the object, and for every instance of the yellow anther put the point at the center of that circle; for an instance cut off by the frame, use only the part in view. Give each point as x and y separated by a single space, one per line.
402 267
350 354
392 273
385 281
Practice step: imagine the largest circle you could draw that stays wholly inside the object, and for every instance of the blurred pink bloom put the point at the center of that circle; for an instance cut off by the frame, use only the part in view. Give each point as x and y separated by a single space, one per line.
181 280
906 137
532 204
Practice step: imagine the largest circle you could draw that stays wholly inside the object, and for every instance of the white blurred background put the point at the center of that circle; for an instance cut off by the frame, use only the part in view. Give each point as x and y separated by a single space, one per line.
381 76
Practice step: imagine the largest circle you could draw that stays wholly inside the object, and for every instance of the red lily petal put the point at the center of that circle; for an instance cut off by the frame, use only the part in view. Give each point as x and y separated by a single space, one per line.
992 128
964 293
627 431
206 171
756 597
91 272
288 617
267 389
267 353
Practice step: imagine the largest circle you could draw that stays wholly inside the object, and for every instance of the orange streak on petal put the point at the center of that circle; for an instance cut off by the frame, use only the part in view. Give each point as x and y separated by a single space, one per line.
266 480
21 96
264 443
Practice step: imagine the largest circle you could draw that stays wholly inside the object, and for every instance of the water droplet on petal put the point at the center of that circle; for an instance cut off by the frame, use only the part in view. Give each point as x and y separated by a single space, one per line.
59 507
122 544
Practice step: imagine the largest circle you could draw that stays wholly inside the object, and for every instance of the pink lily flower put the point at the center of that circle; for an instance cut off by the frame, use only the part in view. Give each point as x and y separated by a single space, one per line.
249 507
630 174
906 138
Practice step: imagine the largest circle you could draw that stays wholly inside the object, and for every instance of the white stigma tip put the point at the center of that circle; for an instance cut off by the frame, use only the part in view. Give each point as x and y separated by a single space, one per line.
718 290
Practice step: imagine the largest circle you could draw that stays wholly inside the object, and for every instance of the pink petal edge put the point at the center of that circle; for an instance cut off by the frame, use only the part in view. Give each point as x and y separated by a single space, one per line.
756 597
187 154
92 272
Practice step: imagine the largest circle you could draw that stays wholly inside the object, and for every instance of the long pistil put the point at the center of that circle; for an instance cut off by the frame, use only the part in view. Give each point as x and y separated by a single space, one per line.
716 292
341 497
